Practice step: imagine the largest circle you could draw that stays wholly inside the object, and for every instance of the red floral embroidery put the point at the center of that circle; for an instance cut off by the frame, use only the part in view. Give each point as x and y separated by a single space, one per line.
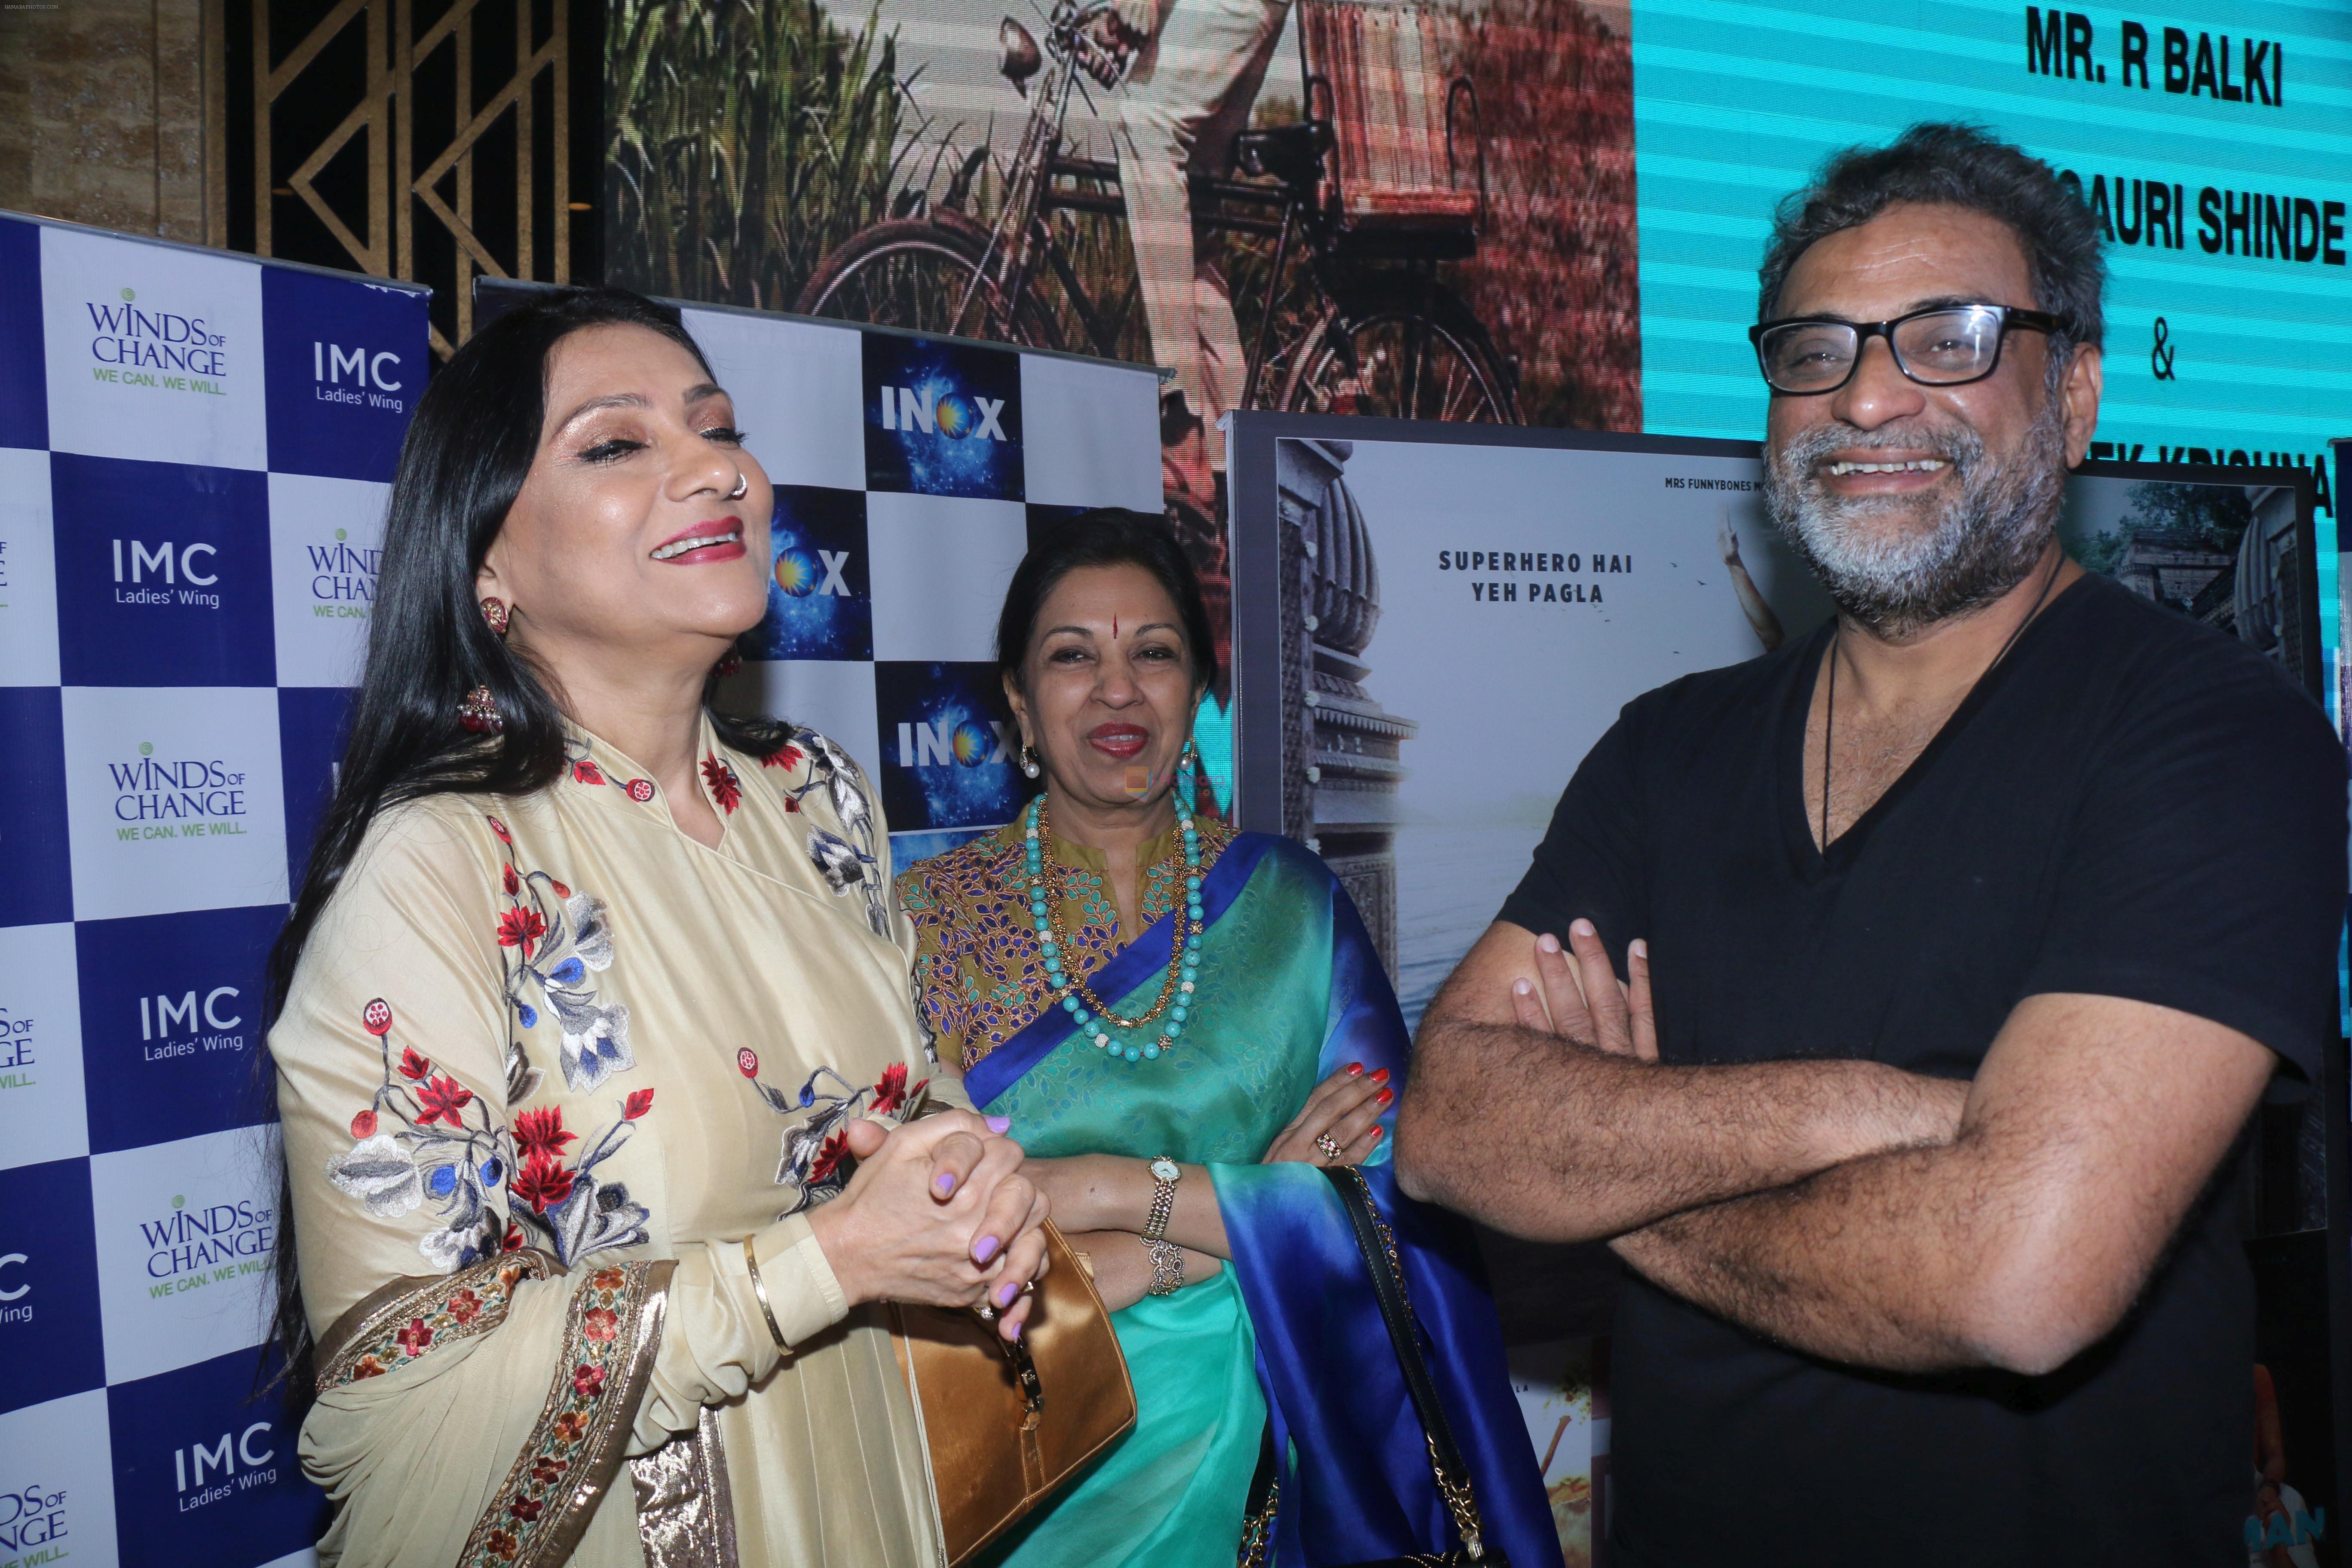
376 1017
500 829
725 788
443 1098
783 757
519 928
892 1092
543 1184
363 1124
433 1320
791 804
638 1103
510 882
747 1062
540 1135
828 1159
512 1240
640 790
411 1065
538 1496
586 771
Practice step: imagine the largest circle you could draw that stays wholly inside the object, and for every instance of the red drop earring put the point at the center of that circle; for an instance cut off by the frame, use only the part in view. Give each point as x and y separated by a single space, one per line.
479 712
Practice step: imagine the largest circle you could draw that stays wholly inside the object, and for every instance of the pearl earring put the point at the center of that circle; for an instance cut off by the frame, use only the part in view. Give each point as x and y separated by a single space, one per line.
1029 764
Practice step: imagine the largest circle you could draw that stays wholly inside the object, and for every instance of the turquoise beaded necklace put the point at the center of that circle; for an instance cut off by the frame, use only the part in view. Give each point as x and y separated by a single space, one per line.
1084 1009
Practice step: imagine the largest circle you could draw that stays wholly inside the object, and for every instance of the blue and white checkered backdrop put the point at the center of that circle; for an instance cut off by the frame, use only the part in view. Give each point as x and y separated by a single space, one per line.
194 454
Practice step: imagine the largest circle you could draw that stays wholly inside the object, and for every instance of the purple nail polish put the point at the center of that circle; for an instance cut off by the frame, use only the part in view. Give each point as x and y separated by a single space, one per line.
1004 1297
999 1124
985 1249
946 1183
1016 1330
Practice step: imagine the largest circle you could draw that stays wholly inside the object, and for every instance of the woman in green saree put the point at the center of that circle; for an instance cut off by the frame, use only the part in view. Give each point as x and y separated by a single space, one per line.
1175 1089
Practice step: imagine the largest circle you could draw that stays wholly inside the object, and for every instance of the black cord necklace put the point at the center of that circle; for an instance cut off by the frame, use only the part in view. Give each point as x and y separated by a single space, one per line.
1828 710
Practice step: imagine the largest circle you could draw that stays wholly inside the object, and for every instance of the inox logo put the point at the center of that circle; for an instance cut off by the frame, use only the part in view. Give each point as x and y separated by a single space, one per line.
963 741
951 414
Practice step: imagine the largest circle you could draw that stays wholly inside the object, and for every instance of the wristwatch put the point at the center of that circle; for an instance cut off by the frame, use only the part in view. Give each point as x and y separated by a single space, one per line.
1164 1170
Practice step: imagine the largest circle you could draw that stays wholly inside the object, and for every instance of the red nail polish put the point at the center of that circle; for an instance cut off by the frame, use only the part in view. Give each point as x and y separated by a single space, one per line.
1385 1096
1355 1067
1376 1133
1380 1075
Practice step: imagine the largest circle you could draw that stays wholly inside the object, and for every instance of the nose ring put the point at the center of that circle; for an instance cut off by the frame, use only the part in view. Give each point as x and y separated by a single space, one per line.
743 486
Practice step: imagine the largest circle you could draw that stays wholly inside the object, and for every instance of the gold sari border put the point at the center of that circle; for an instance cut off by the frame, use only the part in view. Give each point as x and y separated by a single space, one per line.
567 1464
686 1509
402 1319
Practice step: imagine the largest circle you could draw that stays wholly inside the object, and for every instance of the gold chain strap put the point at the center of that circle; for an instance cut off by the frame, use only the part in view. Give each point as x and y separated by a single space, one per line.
1456 1495
1257 1531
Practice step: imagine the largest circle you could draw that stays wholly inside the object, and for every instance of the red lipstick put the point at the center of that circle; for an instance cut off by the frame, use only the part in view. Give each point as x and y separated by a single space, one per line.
1118 739
722 538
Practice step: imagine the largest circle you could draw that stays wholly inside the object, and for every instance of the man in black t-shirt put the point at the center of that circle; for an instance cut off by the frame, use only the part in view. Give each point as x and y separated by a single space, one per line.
1976 924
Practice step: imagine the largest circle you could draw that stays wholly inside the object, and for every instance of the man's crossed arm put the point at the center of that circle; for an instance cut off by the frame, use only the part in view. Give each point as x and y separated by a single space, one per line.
1845 1208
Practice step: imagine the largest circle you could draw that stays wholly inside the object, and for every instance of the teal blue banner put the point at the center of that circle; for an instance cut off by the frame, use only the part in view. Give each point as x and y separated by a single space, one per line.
2214 139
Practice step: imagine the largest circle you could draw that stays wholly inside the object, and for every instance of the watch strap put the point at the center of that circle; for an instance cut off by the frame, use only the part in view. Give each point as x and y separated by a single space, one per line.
1163 1204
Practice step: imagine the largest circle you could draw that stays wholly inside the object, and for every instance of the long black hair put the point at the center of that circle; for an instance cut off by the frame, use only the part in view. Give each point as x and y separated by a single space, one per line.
467 451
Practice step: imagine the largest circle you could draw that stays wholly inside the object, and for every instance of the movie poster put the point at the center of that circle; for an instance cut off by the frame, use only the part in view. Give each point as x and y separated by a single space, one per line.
1324 206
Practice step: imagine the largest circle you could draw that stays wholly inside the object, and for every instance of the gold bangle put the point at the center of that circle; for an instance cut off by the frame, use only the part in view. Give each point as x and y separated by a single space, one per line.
760 1289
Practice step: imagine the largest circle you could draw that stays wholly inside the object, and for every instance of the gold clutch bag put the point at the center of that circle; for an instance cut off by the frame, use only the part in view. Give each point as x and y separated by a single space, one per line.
1009 1422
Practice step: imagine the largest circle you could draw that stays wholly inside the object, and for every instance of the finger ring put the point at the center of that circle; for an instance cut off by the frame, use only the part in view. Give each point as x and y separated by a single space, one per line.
1330 1149
987 1313
1028 1287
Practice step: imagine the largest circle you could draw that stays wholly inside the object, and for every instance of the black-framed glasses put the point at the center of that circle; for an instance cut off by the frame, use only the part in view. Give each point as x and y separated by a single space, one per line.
1943 345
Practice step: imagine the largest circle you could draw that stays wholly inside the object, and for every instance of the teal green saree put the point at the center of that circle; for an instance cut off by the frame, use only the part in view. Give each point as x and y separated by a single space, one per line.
1289 991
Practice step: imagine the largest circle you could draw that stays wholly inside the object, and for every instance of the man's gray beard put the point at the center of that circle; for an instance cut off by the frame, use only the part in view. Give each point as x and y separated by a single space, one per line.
1880 568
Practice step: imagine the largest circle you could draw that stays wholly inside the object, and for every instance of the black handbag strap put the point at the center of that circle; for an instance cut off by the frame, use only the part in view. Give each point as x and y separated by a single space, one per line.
1446 1463
1379 1248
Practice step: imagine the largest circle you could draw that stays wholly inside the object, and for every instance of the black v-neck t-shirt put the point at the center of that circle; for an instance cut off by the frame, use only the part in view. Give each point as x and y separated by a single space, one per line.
2129 804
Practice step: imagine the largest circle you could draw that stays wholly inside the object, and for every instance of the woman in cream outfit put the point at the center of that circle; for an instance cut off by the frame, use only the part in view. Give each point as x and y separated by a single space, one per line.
592 1002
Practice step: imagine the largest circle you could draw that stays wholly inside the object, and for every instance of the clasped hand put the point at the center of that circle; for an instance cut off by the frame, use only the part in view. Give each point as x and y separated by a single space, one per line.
940 1214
